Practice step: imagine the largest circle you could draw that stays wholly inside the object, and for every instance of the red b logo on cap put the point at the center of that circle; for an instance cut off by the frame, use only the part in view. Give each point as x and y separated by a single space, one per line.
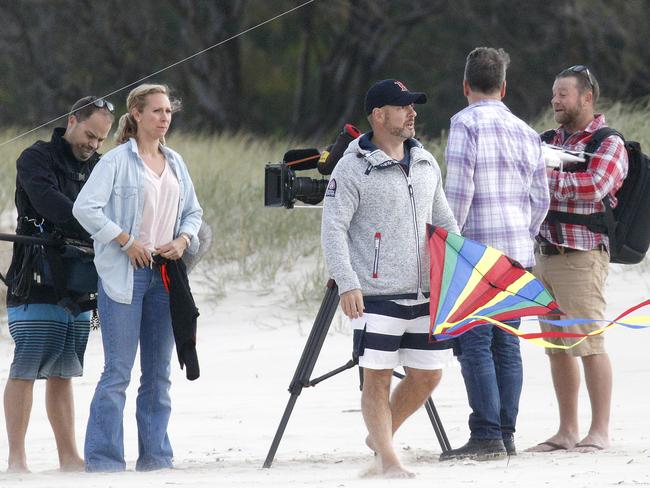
401 85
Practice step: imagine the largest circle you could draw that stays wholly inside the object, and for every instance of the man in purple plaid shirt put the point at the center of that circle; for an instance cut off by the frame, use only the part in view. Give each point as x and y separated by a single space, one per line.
497 188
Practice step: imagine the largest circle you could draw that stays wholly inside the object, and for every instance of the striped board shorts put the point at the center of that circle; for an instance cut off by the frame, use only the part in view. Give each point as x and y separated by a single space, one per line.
48 341
389 335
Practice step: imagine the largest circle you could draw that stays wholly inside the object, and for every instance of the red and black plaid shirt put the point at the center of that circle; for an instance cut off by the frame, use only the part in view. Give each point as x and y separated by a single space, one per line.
582 192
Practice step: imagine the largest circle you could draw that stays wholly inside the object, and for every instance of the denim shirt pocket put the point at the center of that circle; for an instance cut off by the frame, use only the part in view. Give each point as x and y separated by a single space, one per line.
125 198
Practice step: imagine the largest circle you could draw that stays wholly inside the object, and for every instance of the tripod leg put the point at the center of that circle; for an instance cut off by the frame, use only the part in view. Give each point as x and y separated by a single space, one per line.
278 434
307 361
438 428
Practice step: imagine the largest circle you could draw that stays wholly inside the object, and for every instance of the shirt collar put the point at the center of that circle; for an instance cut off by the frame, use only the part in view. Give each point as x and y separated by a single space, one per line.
489 101
64 146
593 126
134 148
377 157
597 123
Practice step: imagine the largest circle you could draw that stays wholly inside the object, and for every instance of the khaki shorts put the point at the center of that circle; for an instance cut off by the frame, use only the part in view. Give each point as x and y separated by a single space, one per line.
577 281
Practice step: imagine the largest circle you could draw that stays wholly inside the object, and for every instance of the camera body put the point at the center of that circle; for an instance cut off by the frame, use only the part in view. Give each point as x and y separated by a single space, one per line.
281 185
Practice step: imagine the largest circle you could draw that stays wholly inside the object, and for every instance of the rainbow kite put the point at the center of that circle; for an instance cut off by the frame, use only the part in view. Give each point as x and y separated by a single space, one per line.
474 284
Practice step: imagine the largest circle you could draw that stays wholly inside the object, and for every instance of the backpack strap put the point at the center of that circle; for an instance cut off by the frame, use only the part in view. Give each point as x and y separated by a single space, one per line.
594 143
598 136
548 135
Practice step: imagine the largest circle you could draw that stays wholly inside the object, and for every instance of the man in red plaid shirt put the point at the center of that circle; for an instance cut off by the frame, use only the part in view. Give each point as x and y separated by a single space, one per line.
573 262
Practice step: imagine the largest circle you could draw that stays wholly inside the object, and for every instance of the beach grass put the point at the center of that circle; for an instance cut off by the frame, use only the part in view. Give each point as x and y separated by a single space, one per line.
270 249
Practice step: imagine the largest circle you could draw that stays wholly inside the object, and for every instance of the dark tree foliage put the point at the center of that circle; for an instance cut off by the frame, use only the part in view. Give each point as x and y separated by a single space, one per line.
305 73
54 52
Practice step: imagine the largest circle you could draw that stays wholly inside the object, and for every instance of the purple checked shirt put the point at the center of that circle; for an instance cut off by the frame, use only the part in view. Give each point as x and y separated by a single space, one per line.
496 179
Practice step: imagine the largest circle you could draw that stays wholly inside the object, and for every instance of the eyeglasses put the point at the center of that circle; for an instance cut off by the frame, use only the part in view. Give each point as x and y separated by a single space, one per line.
581 68
101 103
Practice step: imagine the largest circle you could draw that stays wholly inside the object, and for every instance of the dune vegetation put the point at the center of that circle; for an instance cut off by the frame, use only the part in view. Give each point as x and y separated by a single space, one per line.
270 250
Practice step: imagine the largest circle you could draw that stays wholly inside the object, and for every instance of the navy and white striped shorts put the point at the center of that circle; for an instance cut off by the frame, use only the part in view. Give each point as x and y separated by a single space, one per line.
49 341
390 335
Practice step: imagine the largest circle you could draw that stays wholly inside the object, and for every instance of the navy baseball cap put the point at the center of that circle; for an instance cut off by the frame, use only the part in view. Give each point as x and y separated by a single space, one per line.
391 92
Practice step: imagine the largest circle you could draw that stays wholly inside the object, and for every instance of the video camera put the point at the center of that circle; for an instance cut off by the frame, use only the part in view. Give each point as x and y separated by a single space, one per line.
281 185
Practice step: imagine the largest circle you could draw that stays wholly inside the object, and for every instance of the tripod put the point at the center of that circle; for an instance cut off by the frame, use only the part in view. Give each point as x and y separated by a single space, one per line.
301 378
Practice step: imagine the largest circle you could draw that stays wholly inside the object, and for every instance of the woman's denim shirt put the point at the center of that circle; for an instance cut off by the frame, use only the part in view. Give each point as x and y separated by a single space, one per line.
112 200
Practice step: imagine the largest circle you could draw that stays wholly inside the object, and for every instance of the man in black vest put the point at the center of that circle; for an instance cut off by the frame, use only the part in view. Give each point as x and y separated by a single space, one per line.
49 340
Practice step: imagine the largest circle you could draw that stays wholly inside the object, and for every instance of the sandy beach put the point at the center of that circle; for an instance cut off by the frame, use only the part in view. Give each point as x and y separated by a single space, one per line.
249 345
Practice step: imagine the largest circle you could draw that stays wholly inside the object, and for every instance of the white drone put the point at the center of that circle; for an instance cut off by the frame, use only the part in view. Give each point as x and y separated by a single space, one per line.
556 156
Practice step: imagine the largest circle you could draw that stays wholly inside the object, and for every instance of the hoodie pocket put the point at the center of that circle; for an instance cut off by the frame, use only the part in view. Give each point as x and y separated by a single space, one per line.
375 263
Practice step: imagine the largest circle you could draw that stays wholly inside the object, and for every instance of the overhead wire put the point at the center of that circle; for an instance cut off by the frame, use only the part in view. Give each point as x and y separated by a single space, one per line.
198 53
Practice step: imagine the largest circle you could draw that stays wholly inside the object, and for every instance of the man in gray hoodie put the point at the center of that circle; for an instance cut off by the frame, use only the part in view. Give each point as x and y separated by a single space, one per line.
381 195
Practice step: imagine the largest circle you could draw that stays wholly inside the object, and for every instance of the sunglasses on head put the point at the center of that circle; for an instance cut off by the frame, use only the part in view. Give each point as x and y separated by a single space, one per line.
581 68
101 103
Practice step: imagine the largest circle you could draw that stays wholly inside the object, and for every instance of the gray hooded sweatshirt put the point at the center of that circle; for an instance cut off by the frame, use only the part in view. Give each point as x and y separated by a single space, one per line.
374 221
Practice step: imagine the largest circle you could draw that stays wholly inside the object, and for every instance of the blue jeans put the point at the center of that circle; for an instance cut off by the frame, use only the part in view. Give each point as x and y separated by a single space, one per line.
146 321
491 365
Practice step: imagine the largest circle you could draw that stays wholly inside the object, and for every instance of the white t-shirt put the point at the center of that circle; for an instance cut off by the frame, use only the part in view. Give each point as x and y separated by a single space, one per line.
161 196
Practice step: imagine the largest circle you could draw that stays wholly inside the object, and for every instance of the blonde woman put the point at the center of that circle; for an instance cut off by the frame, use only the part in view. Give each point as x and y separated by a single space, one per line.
139 201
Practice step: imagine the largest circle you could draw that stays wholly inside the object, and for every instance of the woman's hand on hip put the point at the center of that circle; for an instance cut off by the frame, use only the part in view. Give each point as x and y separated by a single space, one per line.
139 255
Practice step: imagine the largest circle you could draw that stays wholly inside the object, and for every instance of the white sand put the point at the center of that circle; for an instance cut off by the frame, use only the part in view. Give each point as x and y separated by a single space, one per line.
249 346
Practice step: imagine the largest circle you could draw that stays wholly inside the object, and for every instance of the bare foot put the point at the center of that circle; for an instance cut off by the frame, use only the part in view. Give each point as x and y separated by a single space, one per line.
72 466
373 470
18 468
397 471
555 443
388 467
591 443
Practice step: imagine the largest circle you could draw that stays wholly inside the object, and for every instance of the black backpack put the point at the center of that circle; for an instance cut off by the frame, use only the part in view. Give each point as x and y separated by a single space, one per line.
627 225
